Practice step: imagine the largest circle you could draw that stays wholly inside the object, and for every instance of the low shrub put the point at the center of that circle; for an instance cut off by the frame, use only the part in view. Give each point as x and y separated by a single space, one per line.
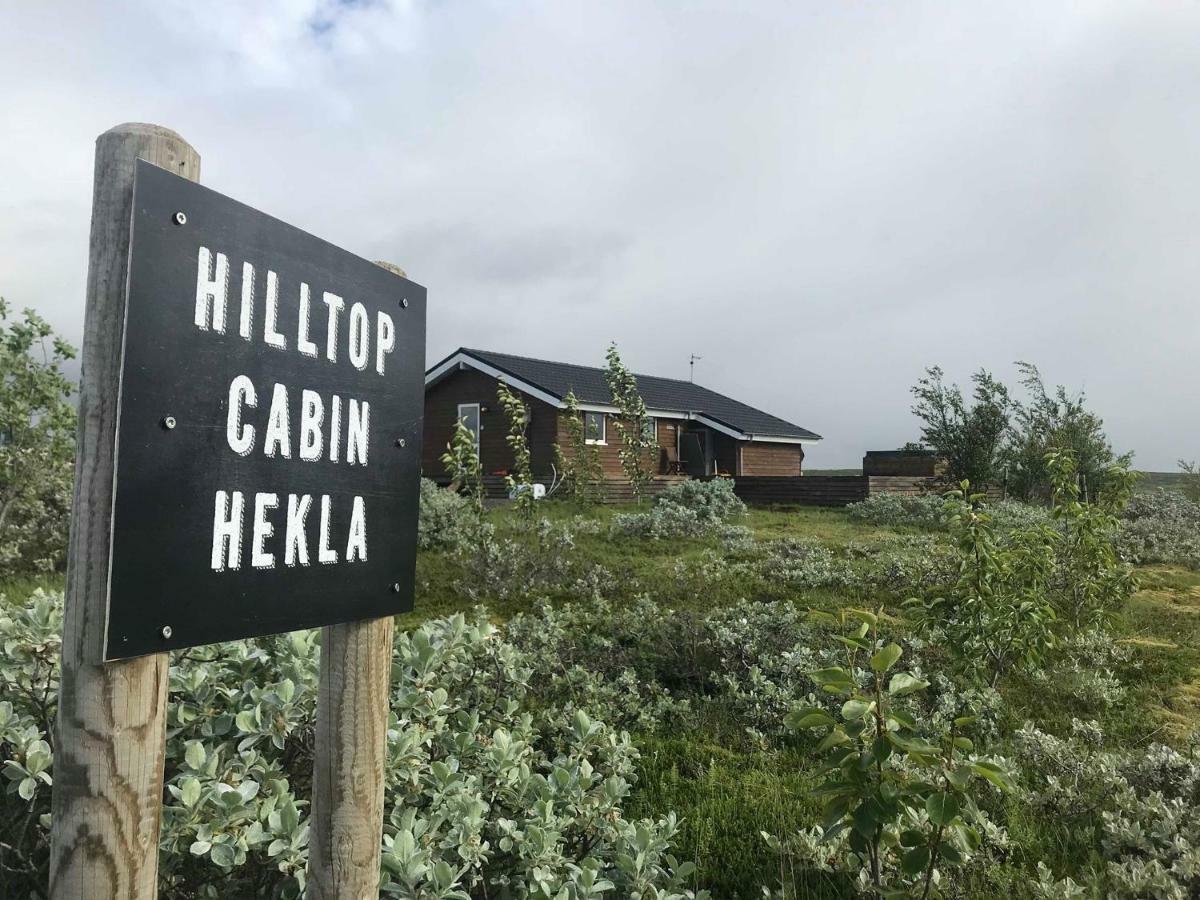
1161 527
916 510
928 511
1146 801
446 520
691 508
490 790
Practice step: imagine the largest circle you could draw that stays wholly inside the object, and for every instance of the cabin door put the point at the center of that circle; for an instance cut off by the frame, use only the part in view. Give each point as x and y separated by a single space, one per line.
695 451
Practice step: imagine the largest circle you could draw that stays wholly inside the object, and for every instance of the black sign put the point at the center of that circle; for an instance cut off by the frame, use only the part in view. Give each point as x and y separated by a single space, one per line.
269 434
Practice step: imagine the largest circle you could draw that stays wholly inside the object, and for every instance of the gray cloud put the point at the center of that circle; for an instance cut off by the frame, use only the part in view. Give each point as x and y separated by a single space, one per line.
820 199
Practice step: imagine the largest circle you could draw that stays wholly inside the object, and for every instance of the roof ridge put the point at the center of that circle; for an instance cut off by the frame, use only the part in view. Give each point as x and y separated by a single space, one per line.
559 362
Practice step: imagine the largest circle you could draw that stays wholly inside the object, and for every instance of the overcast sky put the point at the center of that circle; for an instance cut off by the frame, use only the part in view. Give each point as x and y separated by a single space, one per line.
818 198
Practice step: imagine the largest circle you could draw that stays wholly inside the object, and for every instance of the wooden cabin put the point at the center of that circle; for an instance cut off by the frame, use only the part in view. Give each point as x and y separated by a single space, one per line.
697 432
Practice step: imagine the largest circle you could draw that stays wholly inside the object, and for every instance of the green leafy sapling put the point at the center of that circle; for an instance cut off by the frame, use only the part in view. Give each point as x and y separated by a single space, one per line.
631 424
1090 581
461 460
903 803
519 479
997 617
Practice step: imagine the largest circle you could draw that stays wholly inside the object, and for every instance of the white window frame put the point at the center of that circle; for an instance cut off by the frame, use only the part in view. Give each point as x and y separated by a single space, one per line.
602 441
478 420
651 422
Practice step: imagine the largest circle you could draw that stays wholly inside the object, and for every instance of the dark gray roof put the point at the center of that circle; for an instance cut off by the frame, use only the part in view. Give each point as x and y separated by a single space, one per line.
666 394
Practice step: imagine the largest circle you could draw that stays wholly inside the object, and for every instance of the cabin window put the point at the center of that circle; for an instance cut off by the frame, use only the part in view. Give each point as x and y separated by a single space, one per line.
468 414
594 427
650 431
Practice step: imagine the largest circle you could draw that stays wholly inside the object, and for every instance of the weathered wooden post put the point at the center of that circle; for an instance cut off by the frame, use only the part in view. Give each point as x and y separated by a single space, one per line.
348 770
110 735
350 755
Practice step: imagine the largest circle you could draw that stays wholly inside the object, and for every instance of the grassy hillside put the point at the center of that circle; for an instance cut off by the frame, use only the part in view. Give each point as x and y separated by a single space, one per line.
684 640
729 784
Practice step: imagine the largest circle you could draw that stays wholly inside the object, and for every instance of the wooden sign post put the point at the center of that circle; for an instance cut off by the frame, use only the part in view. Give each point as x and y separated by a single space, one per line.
111 729
248 463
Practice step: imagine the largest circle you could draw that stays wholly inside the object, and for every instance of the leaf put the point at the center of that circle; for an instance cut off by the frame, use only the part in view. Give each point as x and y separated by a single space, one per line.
195 755
903 684
199 848
222 855
856 709
886 658
189 791
993 773
942 808
915 861
27 788
810 717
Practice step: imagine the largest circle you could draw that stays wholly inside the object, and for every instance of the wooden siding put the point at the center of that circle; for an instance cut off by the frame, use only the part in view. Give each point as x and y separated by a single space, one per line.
774 460
809 490
471 386
895 463
609 452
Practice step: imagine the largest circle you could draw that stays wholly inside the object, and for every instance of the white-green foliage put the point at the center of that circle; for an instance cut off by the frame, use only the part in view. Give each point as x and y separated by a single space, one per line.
916 510
631 424
1085 668
1146 798
690 508
928 511
1161 527
37 442
446 520
519 481
491 789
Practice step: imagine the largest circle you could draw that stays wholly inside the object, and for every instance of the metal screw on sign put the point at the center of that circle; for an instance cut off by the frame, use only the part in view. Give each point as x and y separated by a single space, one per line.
167 631
180 218
168 422
404 303
396 588
400 442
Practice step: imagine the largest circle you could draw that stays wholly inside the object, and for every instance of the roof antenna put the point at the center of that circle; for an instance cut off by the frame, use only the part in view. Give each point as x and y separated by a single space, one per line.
692 367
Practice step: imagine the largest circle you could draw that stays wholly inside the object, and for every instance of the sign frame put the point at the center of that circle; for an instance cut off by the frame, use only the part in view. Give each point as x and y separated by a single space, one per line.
179 419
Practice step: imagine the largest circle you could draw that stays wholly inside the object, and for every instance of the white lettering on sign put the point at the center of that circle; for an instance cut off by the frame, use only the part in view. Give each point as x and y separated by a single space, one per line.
259 557
335 304
385 340
325 554
278 441
358 426
227 531
322 432
240 435
229 516
295 540
270 334
246 316
211 290
356 544
303 344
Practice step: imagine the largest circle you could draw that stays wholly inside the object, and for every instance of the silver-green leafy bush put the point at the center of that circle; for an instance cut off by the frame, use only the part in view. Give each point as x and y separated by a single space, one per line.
1147 800
927 511
446 520
492 790
1161 527
691 508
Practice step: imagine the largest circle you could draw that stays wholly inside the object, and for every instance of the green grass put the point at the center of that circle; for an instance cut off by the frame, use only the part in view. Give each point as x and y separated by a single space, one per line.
727 791
1152 481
